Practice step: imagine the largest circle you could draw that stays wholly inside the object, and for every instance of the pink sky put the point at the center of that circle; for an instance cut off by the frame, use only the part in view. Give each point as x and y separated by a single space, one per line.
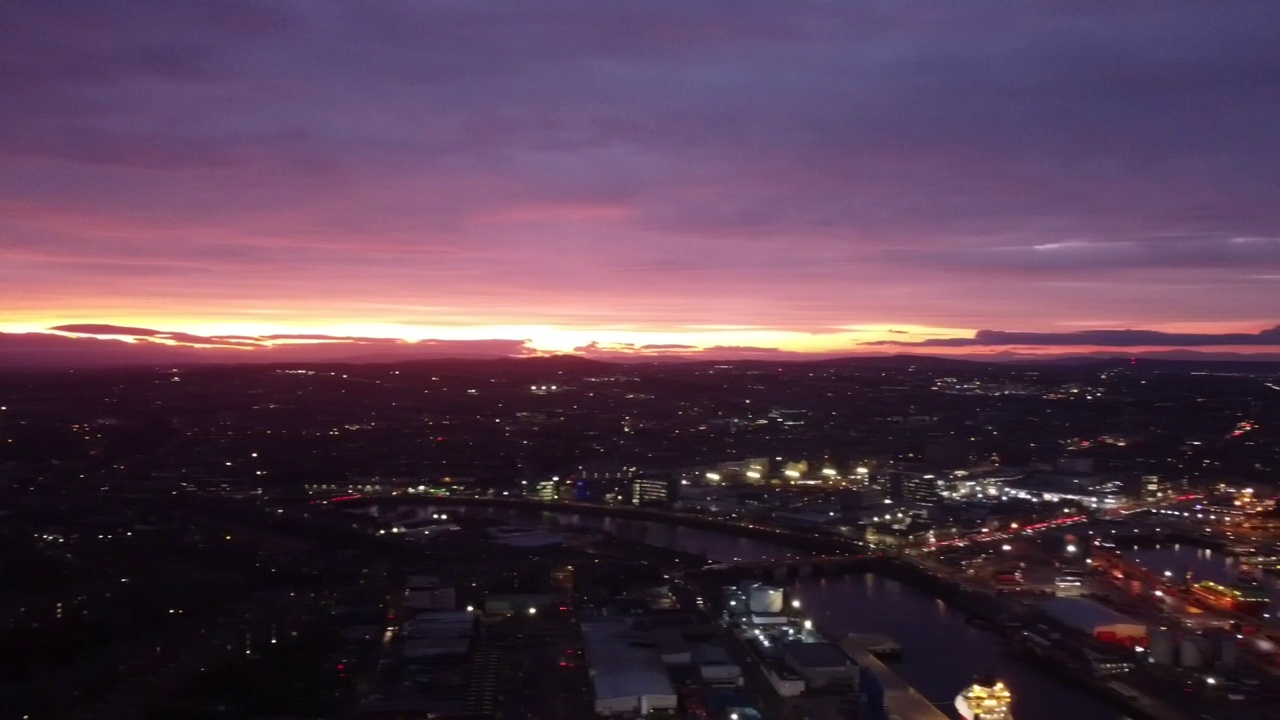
799 177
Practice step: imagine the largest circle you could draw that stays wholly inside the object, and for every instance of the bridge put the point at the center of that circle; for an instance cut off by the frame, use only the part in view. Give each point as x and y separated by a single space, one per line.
825 545
790 568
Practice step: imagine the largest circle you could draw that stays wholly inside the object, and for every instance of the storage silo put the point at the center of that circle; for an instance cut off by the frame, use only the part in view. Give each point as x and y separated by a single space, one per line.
1192 651
1163 647
765 599
1228 651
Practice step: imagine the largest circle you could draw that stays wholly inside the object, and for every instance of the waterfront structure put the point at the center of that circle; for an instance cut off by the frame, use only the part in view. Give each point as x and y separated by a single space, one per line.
1246 595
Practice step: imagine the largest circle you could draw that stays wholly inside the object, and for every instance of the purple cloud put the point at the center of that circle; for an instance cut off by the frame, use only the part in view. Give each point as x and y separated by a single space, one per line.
104 345
658 163
1101 338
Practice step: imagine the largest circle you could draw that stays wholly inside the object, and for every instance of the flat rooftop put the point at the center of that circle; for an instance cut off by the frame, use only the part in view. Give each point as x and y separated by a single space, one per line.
817 654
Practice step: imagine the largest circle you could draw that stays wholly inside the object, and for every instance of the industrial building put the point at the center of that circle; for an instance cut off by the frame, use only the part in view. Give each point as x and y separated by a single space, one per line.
823 665
628 676
439 625
1099 621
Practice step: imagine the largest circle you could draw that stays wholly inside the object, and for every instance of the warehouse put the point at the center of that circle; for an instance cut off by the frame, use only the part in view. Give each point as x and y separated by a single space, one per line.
823 665
1099 621
628 676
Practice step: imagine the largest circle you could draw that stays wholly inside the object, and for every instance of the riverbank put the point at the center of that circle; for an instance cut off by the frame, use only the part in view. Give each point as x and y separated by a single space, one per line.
994 613
936 624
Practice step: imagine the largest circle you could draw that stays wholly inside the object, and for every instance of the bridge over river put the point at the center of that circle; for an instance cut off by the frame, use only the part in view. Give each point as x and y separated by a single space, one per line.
821 545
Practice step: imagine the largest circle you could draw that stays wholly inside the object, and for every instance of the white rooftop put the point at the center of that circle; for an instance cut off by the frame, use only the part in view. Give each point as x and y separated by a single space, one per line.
621 668
1085 615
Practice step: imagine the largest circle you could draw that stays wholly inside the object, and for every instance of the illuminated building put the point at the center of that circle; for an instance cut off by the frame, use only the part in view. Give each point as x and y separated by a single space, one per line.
651 491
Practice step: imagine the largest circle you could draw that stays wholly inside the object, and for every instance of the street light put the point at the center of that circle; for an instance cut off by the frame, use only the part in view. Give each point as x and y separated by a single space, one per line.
533 611
795 604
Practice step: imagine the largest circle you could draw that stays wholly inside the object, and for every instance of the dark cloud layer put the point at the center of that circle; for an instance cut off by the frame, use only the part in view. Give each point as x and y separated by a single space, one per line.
98 345
1098 338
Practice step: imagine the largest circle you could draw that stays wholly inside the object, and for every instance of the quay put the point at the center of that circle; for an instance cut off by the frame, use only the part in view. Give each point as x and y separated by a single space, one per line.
900 699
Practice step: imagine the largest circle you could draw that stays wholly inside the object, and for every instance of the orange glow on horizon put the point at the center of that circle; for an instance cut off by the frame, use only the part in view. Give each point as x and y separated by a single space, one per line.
620 342
540 337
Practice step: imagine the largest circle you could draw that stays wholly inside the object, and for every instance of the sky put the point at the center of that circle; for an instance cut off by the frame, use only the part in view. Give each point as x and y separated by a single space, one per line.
637 179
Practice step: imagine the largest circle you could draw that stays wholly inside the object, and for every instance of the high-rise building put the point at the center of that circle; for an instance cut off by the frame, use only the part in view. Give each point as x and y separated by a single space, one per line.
654 491
550 489
923 488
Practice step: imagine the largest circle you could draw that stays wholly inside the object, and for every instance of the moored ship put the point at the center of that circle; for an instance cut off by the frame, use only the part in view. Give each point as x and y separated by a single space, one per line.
986 699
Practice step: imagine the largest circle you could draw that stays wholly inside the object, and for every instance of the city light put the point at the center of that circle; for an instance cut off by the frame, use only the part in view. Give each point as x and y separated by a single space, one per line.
795 604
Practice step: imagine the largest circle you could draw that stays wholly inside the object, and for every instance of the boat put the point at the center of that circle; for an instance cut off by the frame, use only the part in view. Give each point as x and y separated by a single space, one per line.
986 699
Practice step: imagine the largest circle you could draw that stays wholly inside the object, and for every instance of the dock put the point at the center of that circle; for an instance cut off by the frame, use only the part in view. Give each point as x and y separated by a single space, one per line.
881 646
900 699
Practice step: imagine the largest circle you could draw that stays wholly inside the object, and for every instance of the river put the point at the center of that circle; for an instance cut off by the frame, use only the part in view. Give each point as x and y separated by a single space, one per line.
942 652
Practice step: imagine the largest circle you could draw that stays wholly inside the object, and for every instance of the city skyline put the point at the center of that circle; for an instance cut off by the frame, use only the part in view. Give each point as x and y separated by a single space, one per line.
765 180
